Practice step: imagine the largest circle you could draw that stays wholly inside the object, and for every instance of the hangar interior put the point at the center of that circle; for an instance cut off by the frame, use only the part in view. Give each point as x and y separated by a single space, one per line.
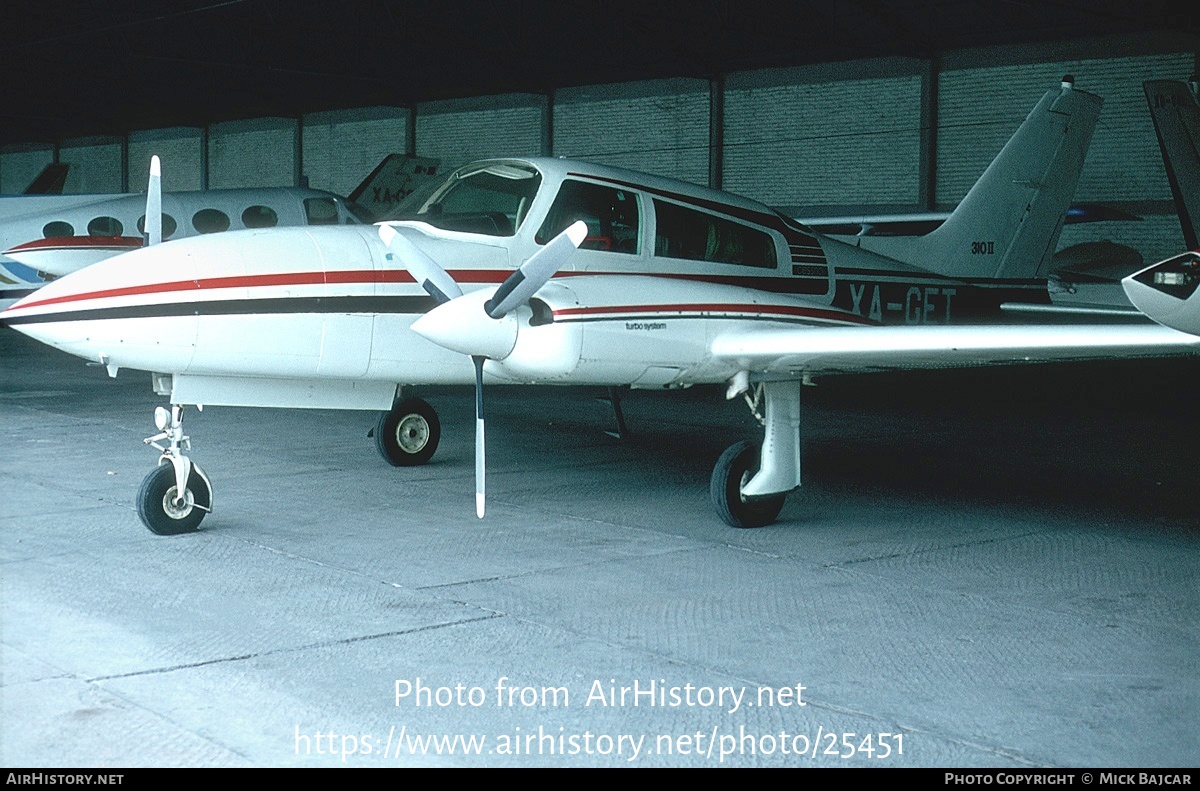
992 569
877 109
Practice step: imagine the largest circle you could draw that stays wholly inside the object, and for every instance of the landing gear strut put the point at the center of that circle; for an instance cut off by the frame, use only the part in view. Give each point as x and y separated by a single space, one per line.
175 495
748 486
408 434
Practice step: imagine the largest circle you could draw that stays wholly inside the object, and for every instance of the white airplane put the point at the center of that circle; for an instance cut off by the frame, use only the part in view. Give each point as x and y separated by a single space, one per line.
54 235
547 271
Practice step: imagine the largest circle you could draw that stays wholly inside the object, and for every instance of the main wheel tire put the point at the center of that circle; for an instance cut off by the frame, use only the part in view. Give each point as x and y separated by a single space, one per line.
737 465
157 506
408 434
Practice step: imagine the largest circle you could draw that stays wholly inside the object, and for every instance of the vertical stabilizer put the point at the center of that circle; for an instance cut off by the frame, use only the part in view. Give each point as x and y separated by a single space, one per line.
1176 115
395 178
1009 223
50 181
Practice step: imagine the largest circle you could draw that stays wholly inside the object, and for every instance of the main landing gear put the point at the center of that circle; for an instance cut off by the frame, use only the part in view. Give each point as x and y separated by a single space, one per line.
749 485
175 495
407 435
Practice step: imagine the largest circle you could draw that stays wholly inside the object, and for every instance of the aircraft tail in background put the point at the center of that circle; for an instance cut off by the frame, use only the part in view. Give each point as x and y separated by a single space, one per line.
1176 114
396 177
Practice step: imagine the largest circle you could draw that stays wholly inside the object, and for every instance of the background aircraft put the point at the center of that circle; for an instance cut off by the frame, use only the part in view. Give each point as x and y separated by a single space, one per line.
621 279
57 234
1167 291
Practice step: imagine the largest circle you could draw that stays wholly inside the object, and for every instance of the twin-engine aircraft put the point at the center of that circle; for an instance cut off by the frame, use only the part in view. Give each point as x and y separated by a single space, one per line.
548 271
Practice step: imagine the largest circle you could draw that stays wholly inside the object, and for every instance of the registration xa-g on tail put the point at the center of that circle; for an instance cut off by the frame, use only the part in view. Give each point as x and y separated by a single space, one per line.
548 271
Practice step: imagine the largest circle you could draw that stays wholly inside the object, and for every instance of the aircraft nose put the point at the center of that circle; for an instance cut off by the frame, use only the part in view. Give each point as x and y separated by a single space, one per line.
104 311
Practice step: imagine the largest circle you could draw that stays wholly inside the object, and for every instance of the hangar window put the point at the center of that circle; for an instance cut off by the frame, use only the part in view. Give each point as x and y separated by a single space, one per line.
260 217
58 228
697 236
611 216
321 211
210 221
169 226
492 200
105 226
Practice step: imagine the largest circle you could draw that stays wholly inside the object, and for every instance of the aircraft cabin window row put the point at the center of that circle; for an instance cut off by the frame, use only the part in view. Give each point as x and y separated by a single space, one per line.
319 211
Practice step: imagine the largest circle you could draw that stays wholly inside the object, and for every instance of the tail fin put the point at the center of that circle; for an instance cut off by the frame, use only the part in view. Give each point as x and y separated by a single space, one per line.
1176 115
1009 223
50 181
394 179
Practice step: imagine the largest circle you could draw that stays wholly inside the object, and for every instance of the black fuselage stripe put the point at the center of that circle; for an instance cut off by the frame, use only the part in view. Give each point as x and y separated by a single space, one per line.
661 317
231 307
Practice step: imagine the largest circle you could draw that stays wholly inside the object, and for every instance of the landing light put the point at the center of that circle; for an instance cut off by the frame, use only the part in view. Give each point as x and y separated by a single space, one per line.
162 418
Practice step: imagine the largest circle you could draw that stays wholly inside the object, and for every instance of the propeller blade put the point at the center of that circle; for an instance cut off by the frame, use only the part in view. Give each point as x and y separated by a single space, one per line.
537 269
427 272
480 466
153 224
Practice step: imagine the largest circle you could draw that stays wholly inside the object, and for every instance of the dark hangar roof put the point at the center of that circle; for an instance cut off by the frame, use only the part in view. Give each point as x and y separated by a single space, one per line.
74 67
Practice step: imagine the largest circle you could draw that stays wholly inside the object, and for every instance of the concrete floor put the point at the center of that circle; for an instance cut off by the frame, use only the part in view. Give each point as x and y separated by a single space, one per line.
991 568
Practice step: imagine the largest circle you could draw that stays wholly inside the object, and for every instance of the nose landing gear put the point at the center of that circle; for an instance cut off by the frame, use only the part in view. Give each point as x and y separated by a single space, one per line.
175 495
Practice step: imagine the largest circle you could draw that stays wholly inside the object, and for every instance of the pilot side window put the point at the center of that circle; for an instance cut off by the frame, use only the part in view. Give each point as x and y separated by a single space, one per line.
698 236
611 216
321 211
210 221
105 226
491 200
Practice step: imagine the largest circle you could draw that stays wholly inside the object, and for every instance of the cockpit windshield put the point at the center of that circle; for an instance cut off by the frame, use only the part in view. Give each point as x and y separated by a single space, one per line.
491 199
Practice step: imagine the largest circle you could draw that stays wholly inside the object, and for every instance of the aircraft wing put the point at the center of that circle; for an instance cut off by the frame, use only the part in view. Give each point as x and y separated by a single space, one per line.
794 351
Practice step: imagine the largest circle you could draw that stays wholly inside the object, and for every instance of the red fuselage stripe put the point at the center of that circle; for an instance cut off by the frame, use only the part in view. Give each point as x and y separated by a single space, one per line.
363 276
72 242
368 276
714 307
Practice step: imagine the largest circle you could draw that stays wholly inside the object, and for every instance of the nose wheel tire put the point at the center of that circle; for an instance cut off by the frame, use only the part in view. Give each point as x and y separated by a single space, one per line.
737 465
408 434
160 508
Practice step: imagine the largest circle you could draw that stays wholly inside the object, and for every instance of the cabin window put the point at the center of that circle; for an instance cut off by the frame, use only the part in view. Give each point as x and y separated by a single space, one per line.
169 226
53 230
105 226
210 221
492 200
260 217
321 211
611 216
697 236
